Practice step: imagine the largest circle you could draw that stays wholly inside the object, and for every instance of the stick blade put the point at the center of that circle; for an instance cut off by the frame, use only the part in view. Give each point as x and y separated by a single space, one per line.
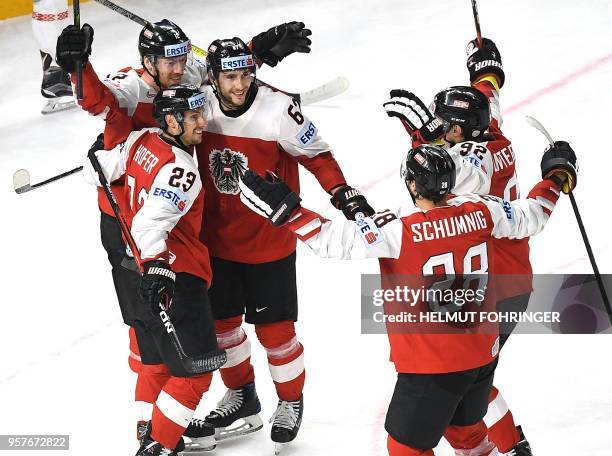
330 89
535 123
21 181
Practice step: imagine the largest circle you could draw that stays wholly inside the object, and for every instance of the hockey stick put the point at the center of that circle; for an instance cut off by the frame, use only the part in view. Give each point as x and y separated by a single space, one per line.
323 92
76 12
538 126
194 365
21 179
476 23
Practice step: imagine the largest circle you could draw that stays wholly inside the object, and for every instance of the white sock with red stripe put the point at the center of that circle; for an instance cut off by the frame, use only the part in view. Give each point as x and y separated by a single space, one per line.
285 358
49 18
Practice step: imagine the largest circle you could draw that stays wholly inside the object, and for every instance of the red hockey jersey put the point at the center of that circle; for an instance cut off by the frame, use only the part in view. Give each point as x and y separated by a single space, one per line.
162 199
454 239
273 134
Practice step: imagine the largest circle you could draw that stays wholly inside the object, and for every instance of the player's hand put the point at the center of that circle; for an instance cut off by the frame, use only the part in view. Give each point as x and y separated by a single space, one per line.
484 61
277 43
559 164
416 117
74 45
351 202
270 197
156 288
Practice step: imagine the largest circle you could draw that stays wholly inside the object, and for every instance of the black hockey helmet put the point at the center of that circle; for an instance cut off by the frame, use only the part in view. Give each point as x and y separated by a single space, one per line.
229 54
432 169
463 106
163 39
176 100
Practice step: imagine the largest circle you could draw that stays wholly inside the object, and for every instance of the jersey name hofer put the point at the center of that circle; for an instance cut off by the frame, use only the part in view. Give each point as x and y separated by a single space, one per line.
448 227
504 158
145 159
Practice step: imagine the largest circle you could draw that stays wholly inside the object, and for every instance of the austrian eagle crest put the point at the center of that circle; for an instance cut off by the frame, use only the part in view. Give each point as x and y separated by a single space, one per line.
226 168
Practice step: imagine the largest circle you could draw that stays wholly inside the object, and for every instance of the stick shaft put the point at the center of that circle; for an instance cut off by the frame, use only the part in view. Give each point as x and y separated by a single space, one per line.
477 23
76 12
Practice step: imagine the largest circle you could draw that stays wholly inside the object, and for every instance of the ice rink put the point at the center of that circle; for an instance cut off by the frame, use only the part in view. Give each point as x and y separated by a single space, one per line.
63 362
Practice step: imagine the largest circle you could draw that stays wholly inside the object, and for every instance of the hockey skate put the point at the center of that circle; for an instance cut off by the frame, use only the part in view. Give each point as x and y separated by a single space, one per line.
286 423
55 87
200 437
142 428
150 447
236 414
522 448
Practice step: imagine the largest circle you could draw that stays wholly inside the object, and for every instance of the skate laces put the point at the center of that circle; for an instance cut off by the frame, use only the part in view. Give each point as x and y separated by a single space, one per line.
231 402
286 414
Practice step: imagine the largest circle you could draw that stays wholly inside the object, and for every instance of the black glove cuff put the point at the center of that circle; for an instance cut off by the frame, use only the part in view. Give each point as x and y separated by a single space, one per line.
283 211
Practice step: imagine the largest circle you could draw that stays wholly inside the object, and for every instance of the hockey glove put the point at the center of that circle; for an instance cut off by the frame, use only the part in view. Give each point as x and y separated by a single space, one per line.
416 117
270 197
277 43
484 61
74 45
156 287
352 203
559 165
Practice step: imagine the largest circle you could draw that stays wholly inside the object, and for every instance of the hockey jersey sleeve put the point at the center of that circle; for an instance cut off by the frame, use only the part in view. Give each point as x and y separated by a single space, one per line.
489 86
520 218
113 162
299 137
379 236
473 168
163 207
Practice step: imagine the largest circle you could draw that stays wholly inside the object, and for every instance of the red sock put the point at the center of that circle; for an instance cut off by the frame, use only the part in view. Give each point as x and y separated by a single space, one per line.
399 449
470 440
238 370
175 406
285 358
500 422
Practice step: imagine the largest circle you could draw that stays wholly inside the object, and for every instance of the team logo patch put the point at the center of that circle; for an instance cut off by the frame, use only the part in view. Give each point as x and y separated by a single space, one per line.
461 104
148 33
420 159
226 167
169 93
307 134
236 63
369 232
170 195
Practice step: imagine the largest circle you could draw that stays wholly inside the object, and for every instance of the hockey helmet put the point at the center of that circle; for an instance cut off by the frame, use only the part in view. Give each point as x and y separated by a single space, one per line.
163 39
229 54
176 100
432 169
463 106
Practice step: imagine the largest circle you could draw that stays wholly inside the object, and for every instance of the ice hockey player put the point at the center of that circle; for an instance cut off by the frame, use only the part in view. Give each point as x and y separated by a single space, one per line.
253 127
458 368
468 121
49 17
164 211
124 101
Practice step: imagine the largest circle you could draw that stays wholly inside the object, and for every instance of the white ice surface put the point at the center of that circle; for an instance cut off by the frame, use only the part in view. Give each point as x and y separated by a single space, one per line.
63 355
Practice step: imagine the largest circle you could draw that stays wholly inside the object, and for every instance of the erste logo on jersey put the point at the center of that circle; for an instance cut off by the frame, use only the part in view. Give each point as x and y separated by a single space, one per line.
171 195
226 168
236 63
369 232
307 134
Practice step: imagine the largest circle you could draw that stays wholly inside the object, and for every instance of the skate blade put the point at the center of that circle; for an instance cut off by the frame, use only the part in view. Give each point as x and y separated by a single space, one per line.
201 445
278 447
249 425
57 105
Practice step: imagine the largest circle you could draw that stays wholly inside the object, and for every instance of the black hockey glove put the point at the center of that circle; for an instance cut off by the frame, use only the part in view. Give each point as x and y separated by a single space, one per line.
416 117
72 45
156 287
559 165
352 203
270 197
277 43
484 61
